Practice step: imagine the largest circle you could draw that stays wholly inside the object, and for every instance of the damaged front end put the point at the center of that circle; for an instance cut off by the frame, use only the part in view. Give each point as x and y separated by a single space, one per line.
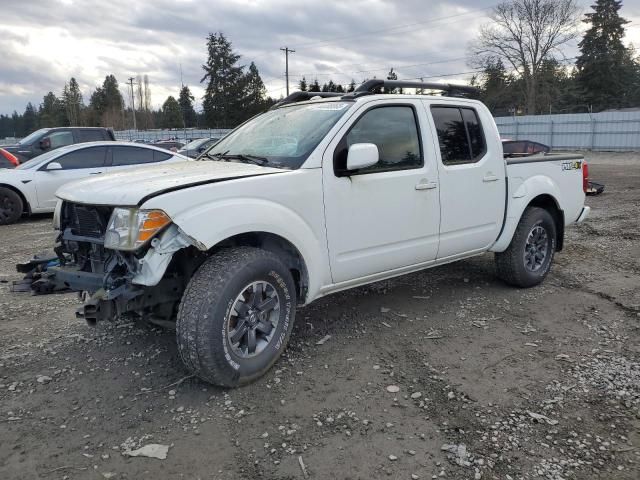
122 261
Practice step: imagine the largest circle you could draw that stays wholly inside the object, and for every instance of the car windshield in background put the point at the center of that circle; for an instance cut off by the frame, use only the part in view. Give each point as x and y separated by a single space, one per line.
193 144
282 138
29 138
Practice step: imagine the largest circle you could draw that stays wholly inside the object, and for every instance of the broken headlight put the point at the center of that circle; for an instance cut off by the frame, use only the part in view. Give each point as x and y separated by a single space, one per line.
131 228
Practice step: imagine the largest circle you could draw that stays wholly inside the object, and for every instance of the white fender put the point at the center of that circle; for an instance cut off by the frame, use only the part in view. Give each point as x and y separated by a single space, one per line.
245 215
521 193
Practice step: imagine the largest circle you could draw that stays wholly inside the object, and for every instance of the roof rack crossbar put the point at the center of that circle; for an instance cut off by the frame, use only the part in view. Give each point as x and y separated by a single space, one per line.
370 86
302 96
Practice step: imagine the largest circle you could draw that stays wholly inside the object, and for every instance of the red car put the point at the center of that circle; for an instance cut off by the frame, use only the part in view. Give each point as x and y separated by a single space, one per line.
8 160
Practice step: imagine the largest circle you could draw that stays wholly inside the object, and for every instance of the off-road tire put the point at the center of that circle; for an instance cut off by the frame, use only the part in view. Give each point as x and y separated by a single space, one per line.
510 264
10 206
202 323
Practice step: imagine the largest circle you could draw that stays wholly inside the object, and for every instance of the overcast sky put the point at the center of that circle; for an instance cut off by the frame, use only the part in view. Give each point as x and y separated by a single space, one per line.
45 42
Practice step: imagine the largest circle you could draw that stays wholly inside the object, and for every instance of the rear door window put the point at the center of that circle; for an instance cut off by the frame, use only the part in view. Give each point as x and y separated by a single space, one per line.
60 139
87 135
84 158
132 156
460 134
161 156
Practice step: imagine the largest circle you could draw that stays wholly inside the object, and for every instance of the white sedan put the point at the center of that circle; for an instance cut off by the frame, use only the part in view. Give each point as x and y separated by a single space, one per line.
31 187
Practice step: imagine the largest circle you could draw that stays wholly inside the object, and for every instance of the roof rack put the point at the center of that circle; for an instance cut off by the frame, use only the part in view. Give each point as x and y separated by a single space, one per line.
302 96
372 86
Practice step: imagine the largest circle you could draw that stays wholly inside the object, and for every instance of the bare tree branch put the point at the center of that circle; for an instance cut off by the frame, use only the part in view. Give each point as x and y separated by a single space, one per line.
524 34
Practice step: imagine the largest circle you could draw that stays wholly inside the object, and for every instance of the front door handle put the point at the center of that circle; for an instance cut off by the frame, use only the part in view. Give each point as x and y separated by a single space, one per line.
490 178
424 185
95 173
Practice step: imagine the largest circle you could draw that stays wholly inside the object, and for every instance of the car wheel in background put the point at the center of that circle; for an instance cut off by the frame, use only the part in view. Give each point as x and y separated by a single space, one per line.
10 206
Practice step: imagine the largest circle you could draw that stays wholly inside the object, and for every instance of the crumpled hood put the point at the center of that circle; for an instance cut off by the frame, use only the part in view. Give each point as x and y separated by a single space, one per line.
130 187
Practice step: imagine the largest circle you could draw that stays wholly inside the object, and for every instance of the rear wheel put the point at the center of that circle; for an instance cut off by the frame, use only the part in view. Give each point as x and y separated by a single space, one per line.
10 206
527 260
236 316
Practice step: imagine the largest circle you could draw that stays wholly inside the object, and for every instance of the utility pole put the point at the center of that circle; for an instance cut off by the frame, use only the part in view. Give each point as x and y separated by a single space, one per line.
287 51
133 102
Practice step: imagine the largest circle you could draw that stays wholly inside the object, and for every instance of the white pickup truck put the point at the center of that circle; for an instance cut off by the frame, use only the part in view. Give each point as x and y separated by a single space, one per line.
315 196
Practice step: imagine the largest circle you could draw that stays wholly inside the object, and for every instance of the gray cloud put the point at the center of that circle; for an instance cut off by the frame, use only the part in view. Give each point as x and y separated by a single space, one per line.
157 37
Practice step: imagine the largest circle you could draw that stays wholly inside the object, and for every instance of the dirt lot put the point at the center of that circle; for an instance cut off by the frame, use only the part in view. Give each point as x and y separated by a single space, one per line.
494 382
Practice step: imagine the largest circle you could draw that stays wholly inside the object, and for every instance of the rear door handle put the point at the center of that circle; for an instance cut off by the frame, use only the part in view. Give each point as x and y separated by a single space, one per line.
490 178
95 173
424 185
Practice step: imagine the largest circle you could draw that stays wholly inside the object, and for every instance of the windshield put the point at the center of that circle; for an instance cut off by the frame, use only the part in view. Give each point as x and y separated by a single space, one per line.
193 144
34 135
284 137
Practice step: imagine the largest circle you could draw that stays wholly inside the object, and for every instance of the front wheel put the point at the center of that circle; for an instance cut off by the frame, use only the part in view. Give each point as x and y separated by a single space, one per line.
236 316
527 260
10 206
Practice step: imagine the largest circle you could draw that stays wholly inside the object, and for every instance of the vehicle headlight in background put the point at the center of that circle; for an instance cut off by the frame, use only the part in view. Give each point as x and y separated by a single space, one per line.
56 215
130 228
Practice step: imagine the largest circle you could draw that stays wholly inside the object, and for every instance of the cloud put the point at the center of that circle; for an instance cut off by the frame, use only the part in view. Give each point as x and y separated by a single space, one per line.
45 42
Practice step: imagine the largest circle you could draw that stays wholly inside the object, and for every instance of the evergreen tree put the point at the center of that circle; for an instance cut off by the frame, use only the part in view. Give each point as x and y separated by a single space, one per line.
223 95
606 68
72 101
185 99
391 76
29 120
314 87
352 86
51 112
497 88
254 93
171 113
107 105
303 85
18 124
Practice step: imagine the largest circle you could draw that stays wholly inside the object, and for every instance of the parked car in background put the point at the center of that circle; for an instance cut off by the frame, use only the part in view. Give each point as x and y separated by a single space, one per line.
47 139
195 147
31 187
520 148
173 145
7 159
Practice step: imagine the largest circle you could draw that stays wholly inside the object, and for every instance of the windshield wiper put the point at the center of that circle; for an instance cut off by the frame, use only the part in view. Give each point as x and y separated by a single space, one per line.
215 156
256 160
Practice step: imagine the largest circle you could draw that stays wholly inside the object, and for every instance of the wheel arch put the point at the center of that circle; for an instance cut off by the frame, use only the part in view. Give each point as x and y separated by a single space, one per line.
550 204
26 206
543 194
283 248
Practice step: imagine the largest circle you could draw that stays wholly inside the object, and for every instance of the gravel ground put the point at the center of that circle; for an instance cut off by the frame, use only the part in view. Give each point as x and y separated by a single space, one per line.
444 373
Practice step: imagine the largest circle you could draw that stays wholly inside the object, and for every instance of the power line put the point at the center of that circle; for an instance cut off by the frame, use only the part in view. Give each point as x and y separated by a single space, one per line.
398 67
388 29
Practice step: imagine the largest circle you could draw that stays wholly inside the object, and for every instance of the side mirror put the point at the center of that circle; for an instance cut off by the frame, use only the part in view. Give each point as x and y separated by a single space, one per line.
45 143
53 166
362 155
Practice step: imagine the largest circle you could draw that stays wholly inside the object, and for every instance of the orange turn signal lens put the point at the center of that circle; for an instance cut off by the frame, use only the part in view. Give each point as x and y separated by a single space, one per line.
152 222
